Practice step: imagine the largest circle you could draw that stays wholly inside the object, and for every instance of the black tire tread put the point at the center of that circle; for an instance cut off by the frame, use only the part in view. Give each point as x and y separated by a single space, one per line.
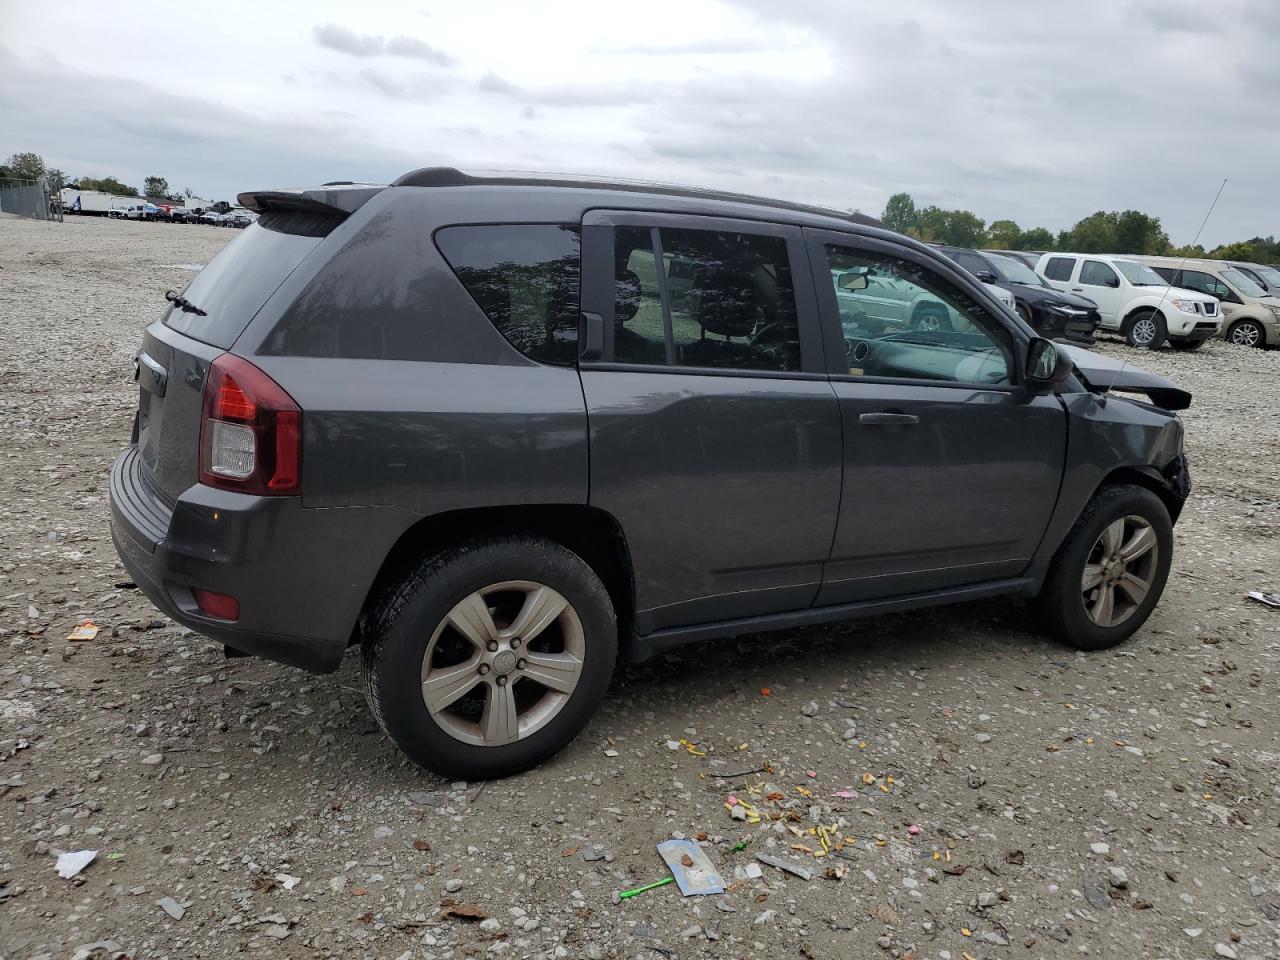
1058 584
390 607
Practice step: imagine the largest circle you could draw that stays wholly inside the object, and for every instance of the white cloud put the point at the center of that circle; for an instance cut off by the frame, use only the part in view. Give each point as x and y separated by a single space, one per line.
1010 109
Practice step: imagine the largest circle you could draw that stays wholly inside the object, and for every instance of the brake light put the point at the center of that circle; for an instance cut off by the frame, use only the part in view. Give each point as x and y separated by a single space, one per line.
250 431
219 605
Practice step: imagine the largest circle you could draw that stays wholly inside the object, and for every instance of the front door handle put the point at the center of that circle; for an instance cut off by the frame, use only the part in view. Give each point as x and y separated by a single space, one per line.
888 419
1077 289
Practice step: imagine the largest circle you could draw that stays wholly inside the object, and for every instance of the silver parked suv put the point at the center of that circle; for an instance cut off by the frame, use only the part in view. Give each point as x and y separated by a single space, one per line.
497 432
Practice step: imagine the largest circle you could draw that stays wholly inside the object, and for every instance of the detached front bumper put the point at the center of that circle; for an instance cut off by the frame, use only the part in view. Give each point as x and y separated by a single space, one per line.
290 569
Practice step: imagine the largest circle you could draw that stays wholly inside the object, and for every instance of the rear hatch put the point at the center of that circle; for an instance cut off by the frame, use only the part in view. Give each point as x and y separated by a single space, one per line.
203 322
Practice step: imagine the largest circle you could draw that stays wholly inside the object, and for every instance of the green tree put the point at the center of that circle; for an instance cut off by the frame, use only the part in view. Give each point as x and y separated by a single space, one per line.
155 188
26 166
108 185
1240 250
1138 232
54 179
900 213
1004 235
1096 233
1195 251
1037 238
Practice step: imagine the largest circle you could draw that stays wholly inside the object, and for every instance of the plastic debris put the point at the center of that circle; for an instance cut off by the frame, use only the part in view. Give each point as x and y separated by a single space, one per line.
914 829
85 630
692 748
71 863
694 872
1269 599
787 866
625 894
287 881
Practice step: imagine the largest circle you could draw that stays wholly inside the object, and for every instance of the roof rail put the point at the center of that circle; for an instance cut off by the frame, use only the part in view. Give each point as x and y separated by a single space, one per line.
453 177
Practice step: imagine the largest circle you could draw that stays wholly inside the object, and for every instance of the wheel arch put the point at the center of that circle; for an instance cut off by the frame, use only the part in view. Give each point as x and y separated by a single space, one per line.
1140 309
593 534
1148 477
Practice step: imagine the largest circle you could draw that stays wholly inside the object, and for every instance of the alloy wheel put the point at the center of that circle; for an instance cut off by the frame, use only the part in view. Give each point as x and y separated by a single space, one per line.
503 663
929 322
1119 570
1144 331
1246 334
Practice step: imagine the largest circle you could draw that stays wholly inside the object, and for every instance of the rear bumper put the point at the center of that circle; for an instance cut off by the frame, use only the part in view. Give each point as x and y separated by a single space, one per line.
300 575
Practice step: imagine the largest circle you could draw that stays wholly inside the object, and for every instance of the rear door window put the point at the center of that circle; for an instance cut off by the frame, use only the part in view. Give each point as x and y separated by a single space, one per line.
525 277
240 279
1059 268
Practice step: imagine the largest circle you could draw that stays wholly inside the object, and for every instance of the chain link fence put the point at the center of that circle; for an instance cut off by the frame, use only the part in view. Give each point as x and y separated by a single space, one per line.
26 199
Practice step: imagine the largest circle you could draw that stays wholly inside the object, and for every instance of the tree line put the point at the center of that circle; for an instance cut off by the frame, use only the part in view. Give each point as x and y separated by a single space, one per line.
1127 231
31 167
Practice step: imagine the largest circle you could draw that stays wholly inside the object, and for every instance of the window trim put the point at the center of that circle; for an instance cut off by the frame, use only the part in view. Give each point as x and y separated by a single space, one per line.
597 289
829 309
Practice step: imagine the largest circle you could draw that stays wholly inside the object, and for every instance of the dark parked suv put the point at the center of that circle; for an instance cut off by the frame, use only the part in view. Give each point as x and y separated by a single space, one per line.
498 431
1050 312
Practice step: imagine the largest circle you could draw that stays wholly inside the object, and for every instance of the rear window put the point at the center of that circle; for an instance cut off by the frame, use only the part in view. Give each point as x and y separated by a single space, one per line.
525 278
238 281
1059 268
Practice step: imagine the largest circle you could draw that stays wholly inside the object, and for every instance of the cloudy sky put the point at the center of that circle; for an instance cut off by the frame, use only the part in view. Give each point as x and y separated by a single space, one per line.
1012 108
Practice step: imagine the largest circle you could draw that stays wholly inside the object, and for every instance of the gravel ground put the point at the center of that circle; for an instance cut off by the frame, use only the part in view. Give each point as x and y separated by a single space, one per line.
1001 796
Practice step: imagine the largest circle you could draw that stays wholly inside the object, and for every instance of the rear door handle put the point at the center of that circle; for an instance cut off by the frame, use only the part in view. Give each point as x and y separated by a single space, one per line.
888 419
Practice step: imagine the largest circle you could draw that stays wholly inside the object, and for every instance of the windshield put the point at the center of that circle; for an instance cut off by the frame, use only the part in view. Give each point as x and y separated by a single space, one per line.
1139 274
1270 276
1015 271
1244 285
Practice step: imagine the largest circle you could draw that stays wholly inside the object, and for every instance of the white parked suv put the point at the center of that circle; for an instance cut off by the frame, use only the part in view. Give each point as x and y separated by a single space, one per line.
1134 299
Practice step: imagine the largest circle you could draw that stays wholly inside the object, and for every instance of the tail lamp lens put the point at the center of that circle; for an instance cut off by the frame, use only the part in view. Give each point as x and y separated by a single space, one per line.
218 605
250 431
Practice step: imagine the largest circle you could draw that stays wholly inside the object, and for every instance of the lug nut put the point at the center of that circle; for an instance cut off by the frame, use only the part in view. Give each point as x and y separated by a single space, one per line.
521 664
493 646
515 642
502 681
484 668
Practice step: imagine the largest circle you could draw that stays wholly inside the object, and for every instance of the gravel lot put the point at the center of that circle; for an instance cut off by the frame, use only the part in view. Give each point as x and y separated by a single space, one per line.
1005 797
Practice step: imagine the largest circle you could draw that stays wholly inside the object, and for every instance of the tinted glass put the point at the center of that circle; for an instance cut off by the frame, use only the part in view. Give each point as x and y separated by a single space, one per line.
525 279
1015 271
1204 283
1059 268
1167 274
1268 275
973 263
730 300
1243 283
903 320
238 281
638 335
1095 273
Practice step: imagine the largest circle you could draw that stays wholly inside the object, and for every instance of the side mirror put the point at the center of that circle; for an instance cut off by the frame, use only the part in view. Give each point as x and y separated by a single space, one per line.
1113 281
1047 365
986 276
853 280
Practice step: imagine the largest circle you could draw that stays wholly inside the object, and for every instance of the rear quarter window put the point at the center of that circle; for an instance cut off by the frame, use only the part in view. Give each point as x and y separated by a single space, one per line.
240 279
525 277
1059 268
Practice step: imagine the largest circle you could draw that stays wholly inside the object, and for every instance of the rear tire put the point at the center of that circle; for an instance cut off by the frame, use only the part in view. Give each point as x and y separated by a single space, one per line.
1091 562
1186 344
1145 329
1247 333
452 631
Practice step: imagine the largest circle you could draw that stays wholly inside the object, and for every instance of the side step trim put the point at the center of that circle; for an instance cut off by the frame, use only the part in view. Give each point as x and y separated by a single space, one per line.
643 648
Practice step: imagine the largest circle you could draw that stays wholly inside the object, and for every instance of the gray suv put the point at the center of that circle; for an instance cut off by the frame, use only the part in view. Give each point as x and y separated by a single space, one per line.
497 432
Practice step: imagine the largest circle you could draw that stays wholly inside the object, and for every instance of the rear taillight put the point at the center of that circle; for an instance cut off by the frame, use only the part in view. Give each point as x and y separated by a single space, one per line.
250 431
219 605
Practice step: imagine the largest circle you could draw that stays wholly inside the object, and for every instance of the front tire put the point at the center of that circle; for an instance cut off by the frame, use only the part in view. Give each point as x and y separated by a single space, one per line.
931 319
1247 333
1145 329
1111 569
489 657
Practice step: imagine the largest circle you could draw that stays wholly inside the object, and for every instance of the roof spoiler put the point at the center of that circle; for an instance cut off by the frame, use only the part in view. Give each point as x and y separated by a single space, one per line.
332 199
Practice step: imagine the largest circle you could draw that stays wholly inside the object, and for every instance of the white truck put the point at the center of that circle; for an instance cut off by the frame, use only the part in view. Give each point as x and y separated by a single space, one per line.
95 202
1135 300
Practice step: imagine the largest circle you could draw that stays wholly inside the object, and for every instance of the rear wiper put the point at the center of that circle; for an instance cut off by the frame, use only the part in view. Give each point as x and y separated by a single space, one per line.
182 303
